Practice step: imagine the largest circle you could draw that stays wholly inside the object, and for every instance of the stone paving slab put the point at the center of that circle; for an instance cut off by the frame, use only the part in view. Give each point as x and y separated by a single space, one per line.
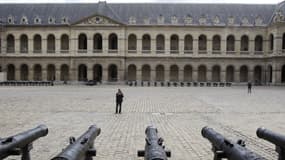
179 113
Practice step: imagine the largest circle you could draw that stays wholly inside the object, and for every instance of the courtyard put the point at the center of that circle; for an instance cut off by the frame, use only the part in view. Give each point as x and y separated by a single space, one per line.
179 113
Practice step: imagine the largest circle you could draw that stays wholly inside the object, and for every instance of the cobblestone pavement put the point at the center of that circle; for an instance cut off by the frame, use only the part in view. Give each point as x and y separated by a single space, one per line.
179 113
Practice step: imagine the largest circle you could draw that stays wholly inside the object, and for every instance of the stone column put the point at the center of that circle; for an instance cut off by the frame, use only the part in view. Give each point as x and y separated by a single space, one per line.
57 45
152 75
122 45
153 46
265 46
139 46
73 43
44 74
209 75
89 45
57 74
104 74
89 73
167 45
105 45
181 75
237 46
44 45
276 74
17 45
31 74
251 46
181 46
223 75
223 46
209 46
121 75
167 74
3 43
17 74
139 74
251 75
277 48
195 46
73 74
30 46
237 76
195 75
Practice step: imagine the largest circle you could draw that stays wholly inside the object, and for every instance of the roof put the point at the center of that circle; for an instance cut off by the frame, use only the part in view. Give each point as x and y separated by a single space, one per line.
75 12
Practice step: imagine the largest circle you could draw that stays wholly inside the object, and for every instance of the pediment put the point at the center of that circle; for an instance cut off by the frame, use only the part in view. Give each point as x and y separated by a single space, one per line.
97 20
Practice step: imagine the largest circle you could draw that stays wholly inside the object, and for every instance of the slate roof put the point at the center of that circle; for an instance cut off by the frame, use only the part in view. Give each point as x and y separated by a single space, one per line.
122 12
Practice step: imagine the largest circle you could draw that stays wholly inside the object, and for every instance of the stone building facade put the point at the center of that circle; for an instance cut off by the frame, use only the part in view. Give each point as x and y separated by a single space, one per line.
144 42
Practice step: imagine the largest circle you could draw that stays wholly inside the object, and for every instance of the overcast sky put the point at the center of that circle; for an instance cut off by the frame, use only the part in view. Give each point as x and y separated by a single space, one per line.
144 1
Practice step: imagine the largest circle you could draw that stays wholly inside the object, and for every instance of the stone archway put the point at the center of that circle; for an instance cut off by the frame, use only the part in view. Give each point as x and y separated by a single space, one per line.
230 74
37 72
24 72
159 73
258 75
216 76
51 72
11 72
132 72
146 73
188 73
97 72
64 72
113 73
202 71
174 73
243 74
82 72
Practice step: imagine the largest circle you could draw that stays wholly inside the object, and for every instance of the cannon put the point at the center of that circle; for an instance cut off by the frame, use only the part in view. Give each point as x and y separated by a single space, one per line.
154 148
82 148
224 148
277 139
22 143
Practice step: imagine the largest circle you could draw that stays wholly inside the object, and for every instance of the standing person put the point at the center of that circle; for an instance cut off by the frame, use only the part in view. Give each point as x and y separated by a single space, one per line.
119 100
249 86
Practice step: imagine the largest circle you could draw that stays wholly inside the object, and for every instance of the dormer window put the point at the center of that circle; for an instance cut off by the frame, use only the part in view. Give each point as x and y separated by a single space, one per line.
98 20
203 20
160 19
188 19
244 21
24 20
10 20
258 21
64 20
146 20
51 20
132 20
231 20
216 20
37 20
174 20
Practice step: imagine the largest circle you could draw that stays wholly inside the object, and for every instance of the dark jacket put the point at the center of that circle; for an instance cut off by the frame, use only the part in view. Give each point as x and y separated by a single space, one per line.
119 97
249 85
